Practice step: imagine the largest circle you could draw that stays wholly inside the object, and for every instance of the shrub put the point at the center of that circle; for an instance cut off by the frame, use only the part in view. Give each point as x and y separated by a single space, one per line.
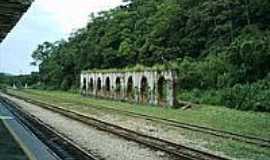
249 53
254 96
212 97
204 74
39 86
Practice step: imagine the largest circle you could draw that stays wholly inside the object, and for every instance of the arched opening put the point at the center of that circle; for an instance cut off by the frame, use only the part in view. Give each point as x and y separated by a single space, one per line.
144 90
84 86
98 84
107 85
91 85
162 91
130 88
118 86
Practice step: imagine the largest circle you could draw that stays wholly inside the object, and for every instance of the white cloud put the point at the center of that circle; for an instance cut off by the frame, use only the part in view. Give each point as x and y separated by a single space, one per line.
73 14
46 20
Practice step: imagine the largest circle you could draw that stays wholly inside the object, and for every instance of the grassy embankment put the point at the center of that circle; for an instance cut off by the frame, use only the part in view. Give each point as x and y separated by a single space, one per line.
251 123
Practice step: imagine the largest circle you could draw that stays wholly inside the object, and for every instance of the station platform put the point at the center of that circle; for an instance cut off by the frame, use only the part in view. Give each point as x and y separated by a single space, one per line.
19 142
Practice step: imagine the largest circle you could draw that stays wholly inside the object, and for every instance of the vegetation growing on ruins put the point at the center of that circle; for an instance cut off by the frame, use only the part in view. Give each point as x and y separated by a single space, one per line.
136 68
221 48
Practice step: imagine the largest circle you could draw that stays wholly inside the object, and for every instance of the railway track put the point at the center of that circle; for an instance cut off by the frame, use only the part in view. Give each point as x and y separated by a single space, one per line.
261 142
62 146
176 150
206 130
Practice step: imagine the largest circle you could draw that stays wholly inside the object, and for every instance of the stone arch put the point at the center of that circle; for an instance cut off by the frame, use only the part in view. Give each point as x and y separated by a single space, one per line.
91 85
84 84
108 84
144 90
99 84
162 90
118 86
130 88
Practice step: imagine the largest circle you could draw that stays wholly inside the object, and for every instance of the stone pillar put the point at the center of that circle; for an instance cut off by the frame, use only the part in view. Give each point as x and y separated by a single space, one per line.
95 85
81 84
155 91
152 92
114 95
103 84
122 83
87 86
169 98
171 89
137 85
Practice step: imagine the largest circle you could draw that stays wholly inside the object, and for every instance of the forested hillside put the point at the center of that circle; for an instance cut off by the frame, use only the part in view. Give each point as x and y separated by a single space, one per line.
20 81
220 47
4 80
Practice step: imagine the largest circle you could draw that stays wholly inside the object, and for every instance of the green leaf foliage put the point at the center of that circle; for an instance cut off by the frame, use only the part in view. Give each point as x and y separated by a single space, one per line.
216 44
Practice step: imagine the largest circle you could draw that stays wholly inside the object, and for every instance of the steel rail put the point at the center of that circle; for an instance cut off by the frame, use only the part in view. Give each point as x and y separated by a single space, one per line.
179 151
249 139
62 146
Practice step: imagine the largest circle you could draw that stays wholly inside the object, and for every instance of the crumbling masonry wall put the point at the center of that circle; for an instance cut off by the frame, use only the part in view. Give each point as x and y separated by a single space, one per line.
145 87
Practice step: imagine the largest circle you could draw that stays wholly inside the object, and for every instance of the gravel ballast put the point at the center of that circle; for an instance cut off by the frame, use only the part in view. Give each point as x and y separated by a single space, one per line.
108 146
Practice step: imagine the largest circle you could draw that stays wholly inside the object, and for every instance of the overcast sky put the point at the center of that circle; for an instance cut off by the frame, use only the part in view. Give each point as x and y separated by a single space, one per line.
46 20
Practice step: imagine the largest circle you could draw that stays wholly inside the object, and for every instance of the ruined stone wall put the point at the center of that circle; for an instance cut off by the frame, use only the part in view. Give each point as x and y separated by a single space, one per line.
148 87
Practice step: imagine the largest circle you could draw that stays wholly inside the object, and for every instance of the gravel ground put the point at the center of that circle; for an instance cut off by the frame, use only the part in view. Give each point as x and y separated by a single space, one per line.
162 131
109 146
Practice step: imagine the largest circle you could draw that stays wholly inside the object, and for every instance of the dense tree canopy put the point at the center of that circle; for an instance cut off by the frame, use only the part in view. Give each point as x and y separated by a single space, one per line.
217 44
